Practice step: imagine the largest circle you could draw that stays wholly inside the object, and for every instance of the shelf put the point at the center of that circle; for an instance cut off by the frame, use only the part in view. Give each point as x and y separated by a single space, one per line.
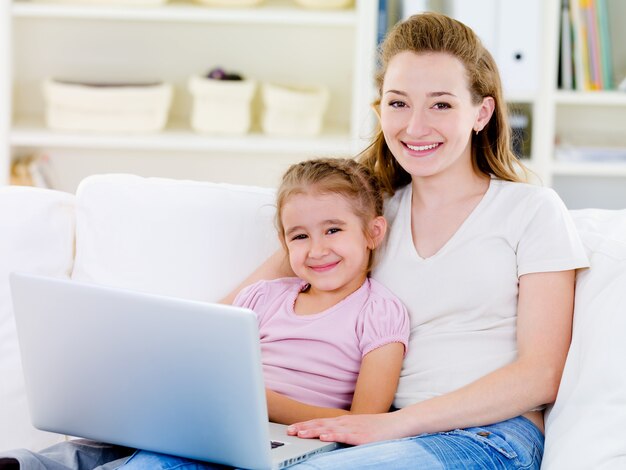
520 98
30 133
589 169
285 12
593 98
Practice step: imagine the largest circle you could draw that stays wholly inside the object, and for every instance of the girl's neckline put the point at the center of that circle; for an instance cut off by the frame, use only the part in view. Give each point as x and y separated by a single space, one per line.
304 286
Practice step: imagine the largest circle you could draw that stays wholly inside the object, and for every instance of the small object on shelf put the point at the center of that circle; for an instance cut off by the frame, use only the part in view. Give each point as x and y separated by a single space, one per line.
519 121
622 85
219 73
293 110
230 3
32 170
221 105
106 107
122 3
325 4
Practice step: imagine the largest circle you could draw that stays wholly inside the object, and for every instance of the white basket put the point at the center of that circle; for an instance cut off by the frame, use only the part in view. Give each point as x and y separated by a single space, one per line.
102 108
230 3
293 111
221 106
125 3
325 4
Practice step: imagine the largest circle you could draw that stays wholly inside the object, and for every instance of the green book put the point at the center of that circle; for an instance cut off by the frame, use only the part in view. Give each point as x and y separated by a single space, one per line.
606 60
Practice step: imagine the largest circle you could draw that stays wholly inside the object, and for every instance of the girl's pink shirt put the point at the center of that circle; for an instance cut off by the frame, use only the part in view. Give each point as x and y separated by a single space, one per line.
316 358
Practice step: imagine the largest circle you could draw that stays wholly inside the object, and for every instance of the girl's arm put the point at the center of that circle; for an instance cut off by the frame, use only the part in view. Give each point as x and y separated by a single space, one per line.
274 267
375 388
544 323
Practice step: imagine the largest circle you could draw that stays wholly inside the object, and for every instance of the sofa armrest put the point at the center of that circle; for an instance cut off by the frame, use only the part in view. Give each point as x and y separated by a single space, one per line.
36 235
585 427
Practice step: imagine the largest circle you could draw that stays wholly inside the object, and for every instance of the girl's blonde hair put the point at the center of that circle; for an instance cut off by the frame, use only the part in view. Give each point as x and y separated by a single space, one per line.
437 33
343 176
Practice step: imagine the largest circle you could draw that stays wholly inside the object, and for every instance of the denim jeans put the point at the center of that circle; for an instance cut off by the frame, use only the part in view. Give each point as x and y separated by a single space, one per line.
76 454
511 444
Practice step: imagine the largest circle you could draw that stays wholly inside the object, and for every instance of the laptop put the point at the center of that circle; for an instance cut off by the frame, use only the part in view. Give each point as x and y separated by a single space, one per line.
164 374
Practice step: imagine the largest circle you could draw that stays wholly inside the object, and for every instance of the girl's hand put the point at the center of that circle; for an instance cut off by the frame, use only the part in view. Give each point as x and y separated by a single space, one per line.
350 429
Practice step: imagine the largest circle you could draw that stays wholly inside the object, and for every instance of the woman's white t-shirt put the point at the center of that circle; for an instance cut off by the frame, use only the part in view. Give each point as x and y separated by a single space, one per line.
463 300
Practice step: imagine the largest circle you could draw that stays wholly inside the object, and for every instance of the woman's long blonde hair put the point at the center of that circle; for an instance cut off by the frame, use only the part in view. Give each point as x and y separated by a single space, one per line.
432 32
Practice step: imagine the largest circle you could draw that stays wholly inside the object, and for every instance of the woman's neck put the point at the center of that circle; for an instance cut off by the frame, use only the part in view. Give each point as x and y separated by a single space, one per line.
450 188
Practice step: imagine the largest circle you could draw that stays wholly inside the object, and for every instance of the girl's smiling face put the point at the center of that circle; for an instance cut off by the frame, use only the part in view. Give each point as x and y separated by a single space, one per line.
427 114
327 243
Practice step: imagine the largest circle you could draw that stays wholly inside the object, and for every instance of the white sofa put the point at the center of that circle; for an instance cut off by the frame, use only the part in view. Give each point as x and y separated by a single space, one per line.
198 240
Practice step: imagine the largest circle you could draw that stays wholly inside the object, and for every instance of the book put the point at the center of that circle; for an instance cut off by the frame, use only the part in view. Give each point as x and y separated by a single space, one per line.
606 52
579 34
383 21
593 44
566 67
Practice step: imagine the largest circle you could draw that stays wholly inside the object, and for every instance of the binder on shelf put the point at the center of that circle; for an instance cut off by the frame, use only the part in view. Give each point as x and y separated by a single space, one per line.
511 32
411 7
383 20
518 55
482 17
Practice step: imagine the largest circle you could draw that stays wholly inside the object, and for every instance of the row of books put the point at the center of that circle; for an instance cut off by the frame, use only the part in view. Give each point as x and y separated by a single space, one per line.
586 45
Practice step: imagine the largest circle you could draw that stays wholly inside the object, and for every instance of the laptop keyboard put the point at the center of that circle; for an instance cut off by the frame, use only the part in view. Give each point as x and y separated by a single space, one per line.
275 444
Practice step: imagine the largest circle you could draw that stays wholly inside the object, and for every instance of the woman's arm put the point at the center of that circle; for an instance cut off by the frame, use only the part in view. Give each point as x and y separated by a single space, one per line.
375 388
544 322
274 267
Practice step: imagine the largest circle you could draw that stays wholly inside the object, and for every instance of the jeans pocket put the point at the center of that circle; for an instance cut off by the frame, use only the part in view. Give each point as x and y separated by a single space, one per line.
489 439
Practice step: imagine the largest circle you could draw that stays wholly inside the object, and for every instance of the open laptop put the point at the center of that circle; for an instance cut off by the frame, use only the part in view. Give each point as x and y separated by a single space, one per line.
164 374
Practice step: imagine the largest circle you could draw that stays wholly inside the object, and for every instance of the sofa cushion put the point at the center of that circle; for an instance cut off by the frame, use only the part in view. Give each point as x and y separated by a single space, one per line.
36 235
585 428
191 239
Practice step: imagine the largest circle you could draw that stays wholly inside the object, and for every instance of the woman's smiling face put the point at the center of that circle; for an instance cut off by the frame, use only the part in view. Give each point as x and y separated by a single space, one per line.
427 114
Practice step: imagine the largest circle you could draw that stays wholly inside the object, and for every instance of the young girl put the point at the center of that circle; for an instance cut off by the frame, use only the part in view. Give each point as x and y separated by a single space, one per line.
332 339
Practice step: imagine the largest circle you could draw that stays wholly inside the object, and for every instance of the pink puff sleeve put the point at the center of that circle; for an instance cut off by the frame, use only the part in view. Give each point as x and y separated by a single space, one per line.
384 320
252 296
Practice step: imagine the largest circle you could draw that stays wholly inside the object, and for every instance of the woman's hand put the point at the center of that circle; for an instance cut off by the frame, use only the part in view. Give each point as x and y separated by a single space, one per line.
351 429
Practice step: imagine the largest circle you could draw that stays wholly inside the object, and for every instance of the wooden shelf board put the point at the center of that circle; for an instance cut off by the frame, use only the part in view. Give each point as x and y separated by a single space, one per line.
589 169
281 13
598 98
178 137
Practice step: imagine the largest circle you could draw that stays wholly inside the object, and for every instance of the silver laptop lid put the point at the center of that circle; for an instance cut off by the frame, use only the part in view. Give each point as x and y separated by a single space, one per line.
139 370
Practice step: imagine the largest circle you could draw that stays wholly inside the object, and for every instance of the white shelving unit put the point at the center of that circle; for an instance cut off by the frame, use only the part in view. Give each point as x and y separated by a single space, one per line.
275 42
594 119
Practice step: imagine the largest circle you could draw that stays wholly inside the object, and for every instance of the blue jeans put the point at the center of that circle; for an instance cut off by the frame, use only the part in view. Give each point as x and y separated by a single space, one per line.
512 444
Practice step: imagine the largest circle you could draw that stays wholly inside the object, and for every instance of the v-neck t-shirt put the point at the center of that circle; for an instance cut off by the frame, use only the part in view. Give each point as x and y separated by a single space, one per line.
462 300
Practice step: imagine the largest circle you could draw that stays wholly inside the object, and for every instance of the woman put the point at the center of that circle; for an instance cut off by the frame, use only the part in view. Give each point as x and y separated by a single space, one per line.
484 262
